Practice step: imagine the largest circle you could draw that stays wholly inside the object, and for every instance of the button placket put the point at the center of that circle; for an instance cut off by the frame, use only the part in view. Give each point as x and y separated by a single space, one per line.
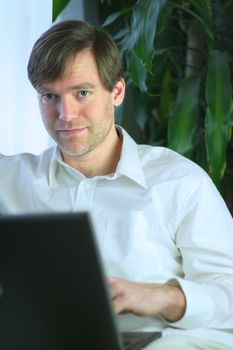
84 195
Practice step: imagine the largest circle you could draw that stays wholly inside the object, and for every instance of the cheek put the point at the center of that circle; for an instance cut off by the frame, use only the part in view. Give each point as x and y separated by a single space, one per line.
48 117
91 111
103 109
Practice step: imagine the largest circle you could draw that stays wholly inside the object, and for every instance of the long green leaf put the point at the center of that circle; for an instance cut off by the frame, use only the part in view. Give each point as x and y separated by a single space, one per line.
183 119
143 29
112 18
166 99
218 121
136 71
58 6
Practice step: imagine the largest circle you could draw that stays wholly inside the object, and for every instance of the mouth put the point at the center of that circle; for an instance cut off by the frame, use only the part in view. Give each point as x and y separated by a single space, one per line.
71 132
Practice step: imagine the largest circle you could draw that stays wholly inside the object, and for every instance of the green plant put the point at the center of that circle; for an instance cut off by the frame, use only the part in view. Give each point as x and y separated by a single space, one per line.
178 63
177 58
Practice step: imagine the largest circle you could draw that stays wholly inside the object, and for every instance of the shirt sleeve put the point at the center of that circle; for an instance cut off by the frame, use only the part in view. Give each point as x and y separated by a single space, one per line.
205 240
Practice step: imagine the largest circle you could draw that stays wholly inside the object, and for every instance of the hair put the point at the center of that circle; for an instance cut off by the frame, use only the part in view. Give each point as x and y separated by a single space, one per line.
60 43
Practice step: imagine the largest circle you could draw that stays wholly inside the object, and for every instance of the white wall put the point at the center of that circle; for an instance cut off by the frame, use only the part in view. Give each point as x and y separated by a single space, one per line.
21 23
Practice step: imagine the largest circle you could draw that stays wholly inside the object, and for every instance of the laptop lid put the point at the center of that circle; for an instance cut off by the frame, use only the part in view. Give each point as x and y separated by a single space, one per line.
53 294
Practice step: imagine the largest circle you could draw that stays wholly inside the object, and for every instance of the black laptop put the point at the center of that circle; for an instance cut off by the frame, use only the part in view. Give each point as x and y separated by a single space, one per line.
53 293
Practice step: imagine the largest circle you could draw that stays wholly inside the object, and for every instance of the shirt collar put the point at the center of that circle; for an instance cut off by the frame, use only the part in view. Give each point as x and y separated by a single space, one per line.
56 157
129 164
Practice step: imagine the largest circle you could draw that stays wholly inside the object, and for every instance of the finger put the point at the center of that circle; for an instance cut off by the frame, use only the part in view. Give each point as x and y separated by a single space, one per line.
112 288
117 286
120 305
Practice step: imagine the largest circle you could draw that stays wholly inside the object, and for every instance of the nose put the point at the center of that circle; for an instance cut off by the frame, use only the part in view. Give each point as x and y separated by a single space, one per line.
68 108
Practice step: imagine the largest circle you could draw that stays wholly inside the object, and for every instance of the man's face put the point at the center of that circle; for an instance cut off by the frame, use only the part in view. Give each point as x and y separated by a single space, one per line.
77 111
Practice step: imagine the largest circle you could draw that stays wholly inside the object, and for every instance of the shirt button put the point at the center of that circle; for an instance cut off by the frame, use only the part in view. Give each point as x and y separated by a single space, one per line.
85 185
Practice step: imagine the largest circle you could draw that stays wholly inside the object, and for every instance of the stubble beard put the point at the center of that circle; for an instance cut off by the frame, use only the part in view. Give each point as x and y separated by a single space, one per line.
75 148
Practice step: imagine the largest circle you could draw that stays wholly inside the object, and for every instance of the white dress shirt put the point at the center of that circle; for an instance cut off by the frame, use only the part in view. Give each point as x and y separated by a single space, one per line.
158 218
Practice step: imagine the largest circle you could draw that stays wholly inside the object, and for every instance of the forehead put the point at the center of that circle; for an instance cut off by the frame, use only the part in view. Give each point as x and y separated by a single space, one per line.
81 70
81 65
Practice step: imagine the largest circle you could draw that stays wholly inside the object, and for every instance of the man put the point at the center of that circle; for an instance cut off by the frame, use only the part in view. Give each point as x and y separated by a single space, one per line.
165 234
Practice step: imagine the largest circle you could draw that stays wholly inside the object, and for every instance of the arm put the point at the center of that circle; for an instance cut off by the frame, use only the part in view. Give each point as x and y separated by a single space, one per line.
145 299
204 238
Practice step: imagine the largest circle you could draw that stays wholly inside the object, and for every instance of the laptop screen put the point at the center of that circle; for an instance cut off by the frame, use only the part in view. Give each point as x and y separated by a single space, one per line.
52 289
53 292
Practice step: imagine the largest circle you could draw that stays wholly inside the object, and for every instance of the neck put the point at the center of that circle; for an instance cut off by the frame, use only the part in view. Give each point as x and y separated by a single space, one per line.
101 161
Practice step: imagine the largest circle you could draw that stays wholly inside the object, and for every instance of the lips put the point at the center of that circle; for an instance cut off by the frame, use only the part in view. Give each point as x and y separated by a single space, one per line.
70 132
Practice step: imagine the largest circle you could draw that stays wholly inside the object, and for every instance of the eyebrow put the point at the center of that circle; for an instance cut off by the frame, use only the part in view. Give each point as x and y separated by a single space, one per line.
81 86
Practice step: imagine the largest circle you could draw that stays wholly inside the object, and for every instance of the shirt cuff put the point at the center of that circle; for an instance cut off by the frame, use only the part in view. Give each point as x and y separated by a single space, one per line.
199 305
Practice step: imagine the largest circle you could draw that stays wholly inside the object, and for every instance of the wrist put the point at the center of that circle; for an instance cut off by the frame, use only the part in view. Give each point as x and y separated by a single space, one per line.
175 305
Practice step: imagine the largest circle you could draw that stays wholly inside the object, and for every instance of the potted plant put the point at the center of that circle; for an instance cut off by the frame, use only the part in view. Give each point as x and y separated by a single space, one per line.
177 58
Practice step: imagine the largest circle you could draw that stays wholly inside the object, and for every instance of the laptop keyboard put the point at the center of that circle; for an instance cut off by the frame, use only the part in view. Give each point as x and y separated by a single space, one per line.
137 340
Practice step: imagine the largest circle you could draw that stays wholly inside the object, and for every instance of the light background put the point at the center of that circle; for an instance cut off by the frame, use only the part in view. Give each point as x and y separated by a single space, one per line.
21 23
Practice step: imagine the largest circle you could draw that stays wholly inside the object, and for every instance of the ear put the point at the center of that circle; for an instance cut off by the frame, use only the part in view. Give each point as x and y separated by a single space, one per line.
118 92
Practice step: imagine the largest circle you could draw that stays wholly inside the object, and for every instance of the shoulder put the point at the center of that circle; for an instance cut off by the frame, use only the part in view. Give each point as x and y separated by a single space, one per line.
161 165
25 160
178 179
166 161
165 168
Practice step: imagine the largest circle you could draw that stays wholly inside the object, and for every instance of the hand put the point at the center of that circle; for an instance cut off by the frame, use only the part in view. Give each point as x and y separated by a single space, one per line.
144 299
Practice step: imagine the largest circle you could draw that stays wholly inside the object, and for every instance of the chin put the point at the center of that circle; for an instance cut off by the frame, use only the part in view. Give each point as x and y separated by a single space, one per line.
73 152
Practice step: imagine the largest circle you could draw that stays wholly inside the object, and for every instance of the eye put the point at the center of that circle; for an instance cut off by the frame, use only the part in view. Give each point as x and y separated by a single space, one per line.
48 98
84 93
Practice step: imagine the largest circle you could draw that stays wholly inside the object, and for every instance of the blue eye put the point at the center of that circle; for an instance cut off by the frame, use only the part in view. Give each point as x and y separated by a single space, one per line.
48 98
84 93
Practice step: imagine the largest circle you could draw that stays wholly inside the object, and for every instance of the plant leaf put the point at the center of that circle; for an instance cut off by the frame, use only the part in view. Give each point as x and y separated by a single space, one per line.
58 6
141 111
111 18
218 120
136 71
183 119
166 99
143 29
